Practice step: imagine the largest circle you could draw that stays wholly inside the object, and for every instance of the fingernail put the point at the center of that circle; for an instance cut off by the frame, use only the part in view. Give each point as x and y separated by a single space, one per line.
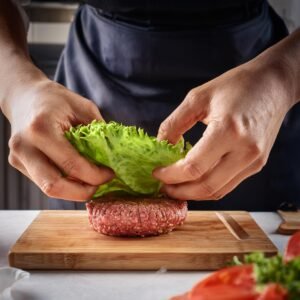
108 173
161 138
157 172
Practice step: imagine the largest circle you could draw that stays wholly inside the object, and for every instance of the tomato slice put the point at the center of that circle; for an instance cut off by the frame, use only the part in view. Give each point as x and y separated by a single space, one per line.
293 247
233 283
237 276
223 292
273 291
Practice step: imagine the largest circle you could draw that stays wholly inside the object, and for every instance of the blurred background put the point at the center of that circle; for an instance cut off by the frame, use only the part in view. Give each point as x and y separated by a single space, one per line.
47 34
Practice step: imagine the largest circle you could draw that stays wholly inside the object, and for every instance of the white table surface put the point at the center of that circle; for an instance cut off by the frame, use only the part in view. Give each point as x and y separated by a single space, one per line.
110 285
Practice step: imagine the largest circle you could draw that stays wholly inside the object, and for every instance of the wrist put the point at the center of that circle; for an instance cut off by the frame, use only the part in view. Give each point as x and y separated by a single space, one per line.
283 62
273 71
284 82
15 83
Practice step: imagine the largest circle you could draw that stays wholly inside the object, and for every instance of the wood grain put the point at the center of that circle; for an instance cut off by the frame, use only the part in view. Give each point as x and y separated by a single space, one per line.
64 240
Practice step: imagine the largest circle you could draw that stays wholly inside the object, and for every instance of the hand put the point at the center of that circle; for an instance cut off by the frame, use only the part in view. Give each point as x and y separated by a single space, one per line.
243 110
39 116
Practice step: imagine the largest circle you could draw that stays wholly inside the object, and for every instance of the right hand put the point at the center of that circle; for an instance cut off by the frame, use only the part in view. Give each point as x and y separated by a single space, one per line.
39 116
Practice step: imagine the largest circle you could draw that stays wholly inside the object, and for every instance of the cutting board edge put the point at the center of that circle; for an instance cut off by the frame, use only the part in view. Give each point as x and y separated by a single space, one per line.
145 261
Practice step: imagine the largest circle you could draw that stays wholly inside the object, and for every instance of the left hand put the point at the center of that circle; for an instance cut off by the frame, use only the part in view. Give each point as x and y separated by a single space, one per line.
243 110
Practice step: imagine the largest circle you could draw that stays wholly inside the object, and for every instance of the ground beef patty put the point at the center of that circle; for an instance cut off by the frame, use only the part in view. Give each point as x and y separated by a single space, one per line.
135 216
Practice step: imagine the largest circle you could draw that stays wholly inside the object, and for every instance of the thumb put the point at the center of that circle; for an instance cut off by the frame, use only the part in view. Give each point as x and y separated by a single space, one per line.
184 117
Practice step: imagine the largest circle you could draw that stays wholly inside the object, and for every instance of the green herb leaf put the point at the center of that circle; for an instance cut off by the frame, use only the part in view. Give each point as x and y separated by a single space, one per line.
275 270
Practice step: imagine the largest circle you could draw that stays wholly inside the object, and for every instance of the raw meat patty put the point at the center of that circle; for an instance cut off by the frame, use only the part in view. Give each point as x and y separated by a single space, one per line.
136 216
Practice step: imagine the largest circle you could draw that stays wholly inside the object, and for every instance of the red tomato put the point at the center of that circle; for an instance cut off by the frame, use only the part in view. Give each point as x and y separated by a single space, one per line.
233 283
237 276
273 291
223 292
293 247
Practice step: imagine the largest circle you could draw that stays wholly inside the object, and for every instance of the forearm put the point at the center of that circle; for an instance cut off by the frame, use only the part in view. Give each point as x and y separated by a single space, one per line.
284 61
16 68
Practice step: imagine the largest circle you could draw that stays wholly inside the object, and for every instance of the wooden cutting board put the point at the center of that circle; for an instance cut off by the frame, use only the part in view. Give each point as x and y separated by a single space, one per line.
290 223
64 240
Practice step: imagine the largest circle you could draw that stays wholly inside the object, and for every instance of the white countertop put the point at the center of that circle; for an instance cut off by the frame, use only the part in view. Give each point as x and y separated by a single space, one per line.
106 285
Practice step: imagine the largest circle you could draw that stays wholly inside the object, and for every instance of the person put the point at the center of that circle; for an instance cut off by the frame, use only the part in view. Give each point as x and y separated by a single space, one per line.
223 73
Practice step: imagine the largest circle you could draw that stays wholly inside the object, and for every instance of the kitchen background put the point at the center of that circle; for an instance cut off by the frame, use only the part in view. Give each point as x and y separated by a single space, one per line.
48 30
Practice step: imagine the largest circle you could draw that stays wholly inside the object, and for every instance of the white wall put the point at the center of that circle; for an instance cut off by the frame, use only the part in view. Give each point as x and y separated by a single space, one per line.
48 33
289 10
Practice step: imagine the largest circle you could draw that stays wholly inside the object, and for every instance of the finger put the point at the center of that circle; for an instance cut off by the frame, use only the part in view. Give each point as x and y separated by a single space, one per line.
254 168
17 164
66 157
203 156
185 116
89 113
50 180
86 112
208 187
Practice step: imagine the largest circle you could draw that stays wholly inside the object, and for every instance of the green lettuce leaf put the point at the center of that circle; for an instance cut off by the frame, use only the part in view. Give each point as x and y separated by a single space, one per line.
129 151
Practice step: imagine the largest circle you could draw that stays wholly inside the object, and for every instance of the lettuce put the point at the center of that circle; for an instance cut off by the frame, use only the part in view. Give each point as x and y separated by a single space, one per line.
129 151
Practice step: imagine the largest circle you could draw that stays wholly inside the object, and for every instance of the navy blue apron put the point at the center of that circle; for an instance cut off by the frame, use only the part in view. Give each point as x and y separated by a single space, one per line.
138 75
